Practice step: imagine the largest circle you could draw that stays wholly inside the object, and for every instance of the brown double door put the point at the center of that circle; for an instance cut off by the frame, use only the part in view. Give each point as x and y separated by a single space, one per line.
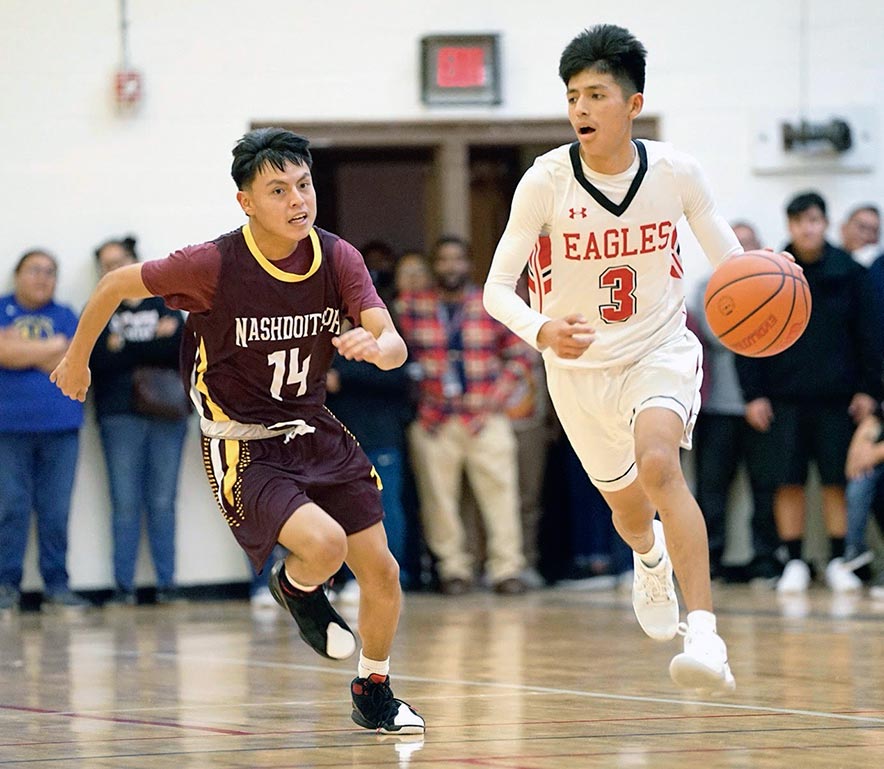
409 183
394 194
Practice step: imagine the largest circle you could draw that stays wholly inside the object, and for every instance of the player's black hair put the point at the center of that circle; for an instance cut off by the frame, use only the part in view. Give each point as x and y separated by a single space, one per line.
608 49
267 146
34 252
801 203
127 244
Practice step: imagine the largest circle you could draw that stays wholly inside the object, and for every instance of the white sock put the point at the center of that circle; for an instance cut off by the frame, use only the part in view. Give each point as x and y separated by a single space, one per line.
367 666
701 620
298 585
654 555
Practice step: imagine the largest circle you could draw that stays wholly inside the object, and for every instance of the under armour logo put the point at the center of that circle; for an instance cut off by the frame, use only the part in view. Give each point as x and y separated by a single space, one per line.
577 211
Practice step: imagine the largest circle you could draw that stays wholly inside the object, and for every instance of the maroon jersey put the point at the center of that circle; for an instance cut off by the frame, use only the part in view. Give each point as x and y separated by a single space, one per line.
257 344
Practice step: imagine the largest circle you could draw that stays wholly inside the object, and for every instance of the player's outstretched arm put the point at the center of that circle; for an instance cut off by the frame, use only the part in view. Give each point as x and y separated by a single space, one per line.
376 340
72 375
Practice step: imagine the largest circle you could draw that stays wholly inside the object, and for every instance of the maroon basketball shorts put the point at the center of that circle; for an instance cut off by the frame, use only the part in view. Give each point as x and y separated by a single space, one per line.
258 484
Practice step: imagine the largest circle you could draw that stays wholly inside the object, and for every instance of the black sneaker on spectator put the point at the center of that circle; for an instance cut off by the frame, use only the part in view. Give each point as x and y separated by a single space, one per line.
65 601
122 597
764 571
166 596
375 707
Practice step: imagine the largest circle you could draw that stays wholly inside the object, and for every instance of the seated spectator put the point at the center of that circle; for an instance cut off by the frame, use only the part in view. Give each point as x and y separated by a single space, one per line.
142 444
39 433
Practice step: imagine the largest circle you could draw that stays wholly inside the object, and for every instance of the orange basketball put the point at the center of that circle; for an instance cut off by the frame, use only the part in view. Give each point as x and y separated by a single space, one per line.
757 303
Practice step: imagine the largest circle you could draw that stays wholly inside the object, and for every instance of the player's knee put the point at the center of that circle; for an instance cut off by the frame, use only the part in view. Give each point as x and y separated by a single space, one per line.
658 468
327 549
390 572
383 577
632 522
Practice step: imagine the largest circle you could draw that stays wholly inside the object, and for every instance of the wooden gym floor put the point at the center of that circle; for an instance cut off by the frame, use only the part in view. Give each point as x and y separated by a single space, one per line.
558 678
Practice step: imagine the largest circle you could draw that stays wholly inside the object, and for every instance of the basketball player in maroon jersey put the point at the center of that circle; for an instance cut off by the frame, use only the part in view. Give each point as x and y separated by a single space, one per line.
268 303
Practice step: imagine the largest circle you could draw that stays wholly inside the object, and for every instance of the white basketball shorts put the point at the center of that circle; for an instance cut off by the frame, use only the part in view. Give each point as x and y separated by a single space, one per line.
597 407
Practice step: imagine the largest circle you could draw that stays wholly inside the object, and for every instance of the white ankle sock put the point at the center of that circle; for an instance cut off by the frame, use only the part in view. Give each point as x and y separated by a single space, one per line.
298 585
653 557
367 666
701 620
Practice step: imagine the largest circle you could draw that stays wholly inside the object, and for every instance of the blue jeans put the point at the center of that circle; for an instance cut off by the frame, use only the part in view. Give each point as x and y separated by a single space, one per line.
390 464
860 494
143 459
36 475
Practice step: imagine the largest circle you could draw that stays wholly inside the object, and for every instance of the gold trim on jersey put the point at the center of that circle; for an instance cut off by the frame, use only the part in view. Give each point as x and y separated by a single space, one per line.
224 463
202 364
231 456
270 268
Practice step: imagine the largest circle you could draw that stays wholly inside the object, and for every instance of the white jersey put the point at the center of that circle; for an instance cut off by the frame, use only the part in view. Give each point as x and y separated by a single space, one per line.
605 246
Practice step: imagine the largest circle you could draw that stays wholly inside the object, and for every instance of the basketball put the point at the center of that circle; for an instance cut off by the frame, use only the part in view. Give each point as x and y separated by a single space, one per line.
757 303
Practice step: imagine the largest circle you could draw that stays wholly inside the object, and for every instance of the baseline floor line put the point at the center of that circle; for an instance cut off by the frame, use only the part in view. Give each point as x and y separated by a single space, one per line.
532 688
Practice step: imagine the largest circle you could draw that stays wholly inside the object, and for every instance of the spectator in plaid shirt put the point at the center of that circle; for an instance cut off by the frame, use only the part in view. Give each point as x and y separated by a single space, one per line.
471 367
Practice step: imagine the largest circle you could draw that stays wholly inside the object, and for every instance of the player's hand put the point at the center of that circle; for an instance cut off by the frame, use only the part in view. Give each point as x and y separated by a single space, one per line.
73 380
358 344
784 254
569 337
791 258
759 414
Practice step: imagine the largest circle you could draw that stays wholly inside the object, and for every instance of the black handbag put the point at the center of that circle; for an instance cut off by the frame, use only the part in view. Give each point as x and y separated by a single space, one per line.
159 393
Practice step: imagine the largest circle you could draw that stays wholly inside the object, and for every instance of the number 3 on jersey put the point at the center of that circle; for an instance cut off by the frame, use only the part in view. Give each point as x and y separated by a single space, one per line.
621 281
297 372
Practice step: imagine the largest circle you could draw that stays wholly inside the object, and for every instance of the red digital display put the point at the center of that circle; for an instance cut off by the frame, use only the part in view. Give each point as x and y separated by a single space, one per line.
460 67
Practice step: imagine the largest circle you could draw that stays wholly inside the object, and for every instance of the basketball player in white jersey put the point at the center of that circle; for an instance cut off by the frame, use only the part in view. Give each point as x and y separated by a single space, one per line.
598 219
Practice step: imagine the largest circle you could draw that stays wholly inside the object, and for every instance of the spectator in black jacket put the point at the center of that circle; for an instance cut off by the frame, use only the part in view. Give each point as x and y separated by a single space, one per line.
142 450
810 397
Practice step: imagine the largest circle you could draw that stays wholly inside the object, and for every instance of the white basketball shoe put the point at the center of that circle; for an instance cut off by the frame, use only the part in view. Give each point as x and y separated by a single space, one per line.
653 594
703 664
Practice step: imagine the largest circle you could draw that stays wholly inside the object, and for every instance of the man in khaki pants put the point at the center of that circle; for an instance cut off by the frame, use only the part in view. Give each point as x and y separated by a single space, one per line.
471 366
